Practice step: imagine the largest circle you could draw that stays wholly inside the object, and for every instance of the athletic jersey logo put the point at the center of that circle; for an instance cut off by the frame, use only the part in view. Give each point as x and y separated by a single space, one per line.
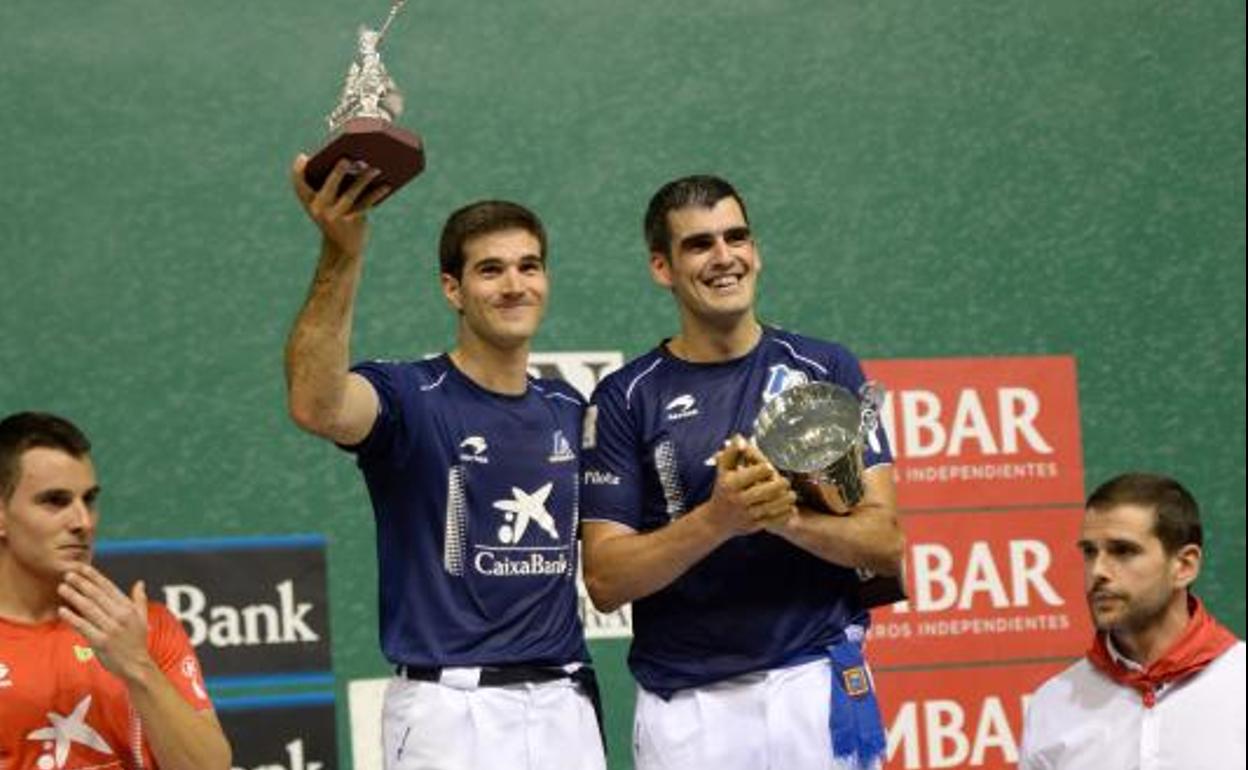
190 670
523 509
4 676
780 378
597 478
63 732
83 654
682 407
561 451
472 450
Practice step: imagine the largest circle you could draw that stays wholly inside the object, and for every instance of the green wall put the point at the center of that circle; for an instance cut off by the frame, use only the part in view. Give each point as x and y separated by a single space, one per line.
927 179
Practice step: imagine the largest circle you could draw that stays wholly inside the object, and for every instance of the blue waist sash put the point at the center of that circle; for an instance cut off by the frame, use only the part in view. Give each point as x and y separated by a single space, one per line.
858 740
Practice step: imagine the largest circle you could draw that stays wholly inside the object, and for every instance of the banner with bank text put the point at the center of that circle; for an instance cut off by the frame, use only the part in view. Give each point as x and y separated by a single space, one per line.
256 611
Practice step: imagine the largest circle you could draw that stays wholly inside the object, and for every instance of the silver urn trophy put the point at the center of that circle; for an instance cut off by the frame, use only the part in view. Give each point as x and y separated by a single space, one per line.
814 433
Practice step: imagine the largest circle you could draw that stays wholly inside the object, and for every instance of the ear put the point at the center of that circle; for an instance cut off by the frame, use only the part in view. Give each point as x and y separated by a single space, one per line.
451 290
661 269
1186 565
4 519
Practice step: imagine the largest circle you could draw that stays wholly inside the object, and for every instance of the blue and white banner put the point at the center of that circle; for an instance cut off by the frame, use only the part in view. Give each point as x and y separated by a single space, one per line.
281 732
256 608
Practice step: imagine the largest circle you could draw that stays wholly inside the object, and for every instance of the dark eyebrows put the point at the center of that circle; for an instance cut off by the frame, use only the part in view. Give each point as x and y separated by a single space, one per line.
704 239
1112 544
53 494
496 263
697 241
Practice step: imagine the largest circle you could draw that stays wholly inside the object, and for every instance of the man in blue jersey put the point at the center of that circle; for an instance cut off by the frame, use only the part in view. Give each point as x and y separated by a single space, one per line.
747 626
472 469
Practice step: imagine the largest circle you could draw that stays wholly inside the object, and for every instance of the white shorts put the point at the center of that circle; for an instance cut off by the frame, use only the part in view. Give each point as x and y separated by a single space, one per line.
770 720
542 726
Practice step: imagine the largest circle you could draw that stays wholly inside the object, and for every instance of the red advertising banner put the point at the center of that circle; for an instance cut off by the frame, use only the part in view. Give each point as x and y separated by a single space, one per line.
982 432
1004 585
958 716
989 471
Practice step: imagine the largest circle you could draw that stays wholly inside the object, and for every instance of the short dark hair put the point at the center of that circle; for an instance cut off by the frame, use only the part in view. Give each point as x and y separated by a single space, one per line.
28 430
1176 519
702 190
483 218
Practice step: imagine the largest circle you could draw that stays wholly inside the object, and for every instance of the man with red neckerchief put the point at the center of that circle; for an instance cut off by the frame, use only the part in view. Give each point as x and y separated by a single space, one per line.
1162 687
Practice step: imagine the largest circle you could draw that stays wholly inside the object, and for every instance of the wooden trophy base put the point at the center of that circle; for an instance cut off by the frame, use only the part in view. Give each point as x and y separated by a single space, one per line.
396 152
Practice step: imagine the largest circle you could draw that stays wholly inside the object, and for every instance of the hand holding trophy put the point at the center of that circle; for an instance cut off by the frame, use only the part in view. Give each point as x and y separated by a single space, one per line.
362 127
813 434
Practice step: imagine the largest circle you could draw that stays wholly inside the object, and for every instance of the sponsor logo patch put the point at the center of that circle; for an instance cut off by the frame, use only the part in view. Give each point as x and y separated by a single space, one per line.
561 451
523 509
599 478
681 408
856 682
780 378
472 450
64 732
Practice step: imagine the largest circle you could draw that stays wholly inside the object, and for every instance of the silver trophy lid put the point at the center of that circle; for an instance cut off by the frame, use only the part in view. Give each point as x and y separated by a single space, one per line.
809 427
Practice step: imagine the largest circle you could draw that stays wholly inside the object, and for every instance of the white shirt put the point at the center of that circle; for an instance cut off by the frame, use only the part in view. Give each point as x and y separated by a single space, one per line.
1083 720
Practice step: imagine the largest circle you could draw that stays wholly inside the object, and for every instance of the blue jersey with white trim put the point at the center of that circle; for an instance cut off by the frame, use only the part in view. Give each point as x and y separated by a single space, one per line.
475 499
756 602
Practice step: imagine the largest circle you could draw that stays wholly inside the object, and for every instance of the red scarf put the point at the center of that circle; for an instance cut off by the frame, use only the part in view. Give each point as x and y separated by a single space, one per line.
1202 641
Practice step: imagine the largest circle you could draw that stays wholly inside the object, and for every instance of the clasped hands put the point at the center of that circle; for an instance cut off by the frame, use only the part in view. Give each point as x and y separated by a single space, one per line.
750 495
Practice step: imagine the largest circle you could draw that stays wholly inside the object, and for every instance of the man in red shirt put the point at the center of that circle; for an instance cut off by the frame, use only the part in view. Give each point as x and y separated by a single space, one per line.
90 677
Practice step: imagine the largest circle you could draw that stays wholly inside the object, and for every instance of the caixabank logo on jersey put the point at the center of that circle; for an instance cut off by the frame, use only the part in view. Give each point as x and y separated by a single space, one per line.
281 732
253 607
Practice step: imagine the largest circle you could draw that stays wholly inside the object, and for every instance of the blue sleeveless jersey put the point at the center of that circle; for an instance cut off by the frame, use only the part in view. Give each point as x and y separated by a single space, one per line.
756 602
475 498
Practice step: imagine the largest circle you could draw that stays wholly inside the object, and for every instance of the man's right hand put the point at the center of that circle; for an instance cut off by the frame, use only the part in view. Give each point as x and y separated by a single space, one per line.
341 216
749 493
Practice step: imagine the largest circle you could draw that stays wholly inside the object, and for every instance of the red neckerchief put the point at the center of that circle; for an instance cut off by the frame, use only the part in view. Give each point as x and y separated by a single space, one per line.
1202 641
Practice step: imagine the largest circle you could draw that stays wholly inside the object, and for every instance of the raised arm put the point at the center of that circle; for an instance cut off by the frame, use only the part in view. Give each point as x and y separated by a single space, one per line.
622 565
323 397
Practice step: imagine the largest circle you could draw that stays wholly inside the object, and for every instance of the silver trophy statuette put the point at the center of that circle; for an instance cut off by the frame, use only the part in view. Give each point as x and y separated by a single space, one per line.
362 126
814 434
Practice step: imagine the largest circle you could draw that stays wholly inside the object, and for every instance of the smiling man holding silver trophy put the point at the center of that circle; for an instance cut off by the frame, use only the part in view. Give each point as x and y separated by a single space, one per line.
742 557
